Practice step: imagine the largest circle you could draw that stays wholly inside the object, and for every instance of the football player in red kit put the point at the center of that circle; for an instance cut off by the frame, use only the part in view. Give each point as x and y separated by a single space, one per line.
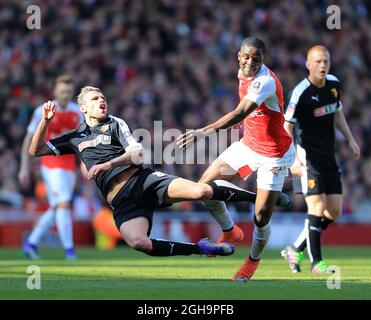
58 173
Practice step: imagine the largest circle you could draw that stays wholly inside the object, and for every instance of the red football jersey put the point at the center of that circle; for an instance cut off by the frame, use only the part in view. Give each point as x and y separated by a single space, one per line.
64 120
263 128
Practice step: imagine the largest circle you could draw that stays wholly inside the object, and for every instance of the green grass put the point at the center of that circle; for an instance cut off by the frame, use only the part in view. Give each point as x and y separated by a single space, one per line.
126 274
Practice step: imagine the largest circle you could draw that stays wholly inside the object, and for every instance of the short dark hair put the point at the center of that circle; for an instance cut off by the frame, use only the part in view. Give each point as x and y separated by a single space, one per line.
254 42
64 78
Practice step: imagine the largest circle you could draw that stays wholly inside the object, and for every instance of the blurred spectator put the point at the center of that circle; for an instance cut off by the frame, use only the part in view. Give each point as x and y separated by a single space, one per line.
9 194
86 204
175 61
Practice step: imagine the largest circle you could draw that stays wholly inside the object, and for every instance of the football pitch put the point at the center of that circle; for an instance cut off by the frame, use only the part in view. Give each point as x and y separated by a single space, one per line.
126 274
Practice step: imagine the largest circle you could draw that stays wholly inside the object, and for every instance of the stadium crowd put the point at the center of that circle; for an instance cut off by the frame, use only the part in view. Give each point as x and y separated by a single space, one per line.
176 61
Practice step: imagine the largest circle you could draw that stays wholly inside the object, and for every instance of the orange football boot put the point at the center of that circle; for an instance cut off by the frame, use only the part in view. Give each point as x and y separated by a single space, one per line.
236 235
247 270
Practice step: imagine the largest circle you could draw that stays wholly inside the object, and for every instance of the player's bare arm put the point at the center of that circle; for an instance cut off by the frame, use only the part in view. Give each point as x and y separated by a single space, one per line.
342 125
232 118
38 146
133 155
24 171
298 166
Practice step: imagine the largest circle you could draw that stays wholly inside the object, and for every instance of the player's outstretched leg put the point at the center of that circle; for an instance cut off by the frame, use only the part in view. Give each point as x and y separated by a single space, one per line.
227 191
265 203
218 175
63 220
231 232
30 246
181 189
134 232
211 248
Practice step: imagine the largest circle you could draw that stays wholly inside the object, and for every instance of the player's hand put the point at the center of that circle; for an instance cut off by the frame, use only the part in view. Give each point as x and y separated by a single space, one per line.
97 169
136 152
49 110
355 148
24 178
297 168
190 137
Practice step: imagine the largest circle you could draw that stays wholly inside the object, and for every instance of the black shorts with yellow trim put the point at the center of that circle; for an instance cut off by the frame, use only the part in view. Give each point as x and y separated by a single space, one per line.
321 177
140 196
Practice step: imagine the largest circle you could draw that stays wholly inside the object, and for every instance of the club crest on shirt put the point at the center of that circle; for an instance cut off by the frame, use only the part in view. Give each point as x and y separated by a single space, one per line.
254 87
334 92
311 183
104 128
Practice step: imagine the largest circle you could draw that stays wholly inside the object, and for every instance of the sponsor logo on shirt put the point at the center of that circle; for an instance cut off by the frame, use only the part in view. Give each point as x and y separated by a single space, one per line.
256 113
101 139
327 109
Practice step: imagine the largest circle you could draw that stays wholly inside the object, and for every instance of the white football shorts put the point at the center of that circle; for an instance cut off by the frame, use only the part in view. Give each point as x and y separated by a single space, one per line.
271 172
59 183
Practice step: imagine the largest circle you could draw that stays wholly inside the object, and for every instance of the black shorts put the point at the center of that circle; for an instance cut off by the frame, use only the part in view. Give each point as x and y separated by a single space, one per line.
322 176
140 196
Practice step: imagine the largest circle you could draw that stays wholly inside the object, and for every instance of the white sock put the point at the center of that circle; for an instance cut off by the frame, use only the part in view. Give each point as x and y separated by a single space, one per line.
259 241
302 236
64 225
219 211
45 222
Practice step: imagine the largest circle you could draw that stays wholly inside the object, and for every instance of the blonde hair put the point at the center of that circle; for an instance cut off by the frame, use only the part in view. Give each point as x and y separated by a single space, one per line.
315 48
84 91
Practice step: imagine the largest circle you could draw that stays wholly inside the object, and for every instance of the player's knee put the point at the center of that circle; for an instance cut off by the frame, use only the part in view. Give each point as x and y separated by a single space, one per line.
139 243
64 205
317 208
333 213
202 191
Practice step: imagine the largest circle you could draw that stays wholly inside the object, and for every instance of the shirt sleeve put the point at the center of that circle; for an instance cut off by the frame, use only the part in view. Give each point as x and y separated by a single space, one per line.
62 145
336 92
340 104
292 107
35 120
124 134
261 89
